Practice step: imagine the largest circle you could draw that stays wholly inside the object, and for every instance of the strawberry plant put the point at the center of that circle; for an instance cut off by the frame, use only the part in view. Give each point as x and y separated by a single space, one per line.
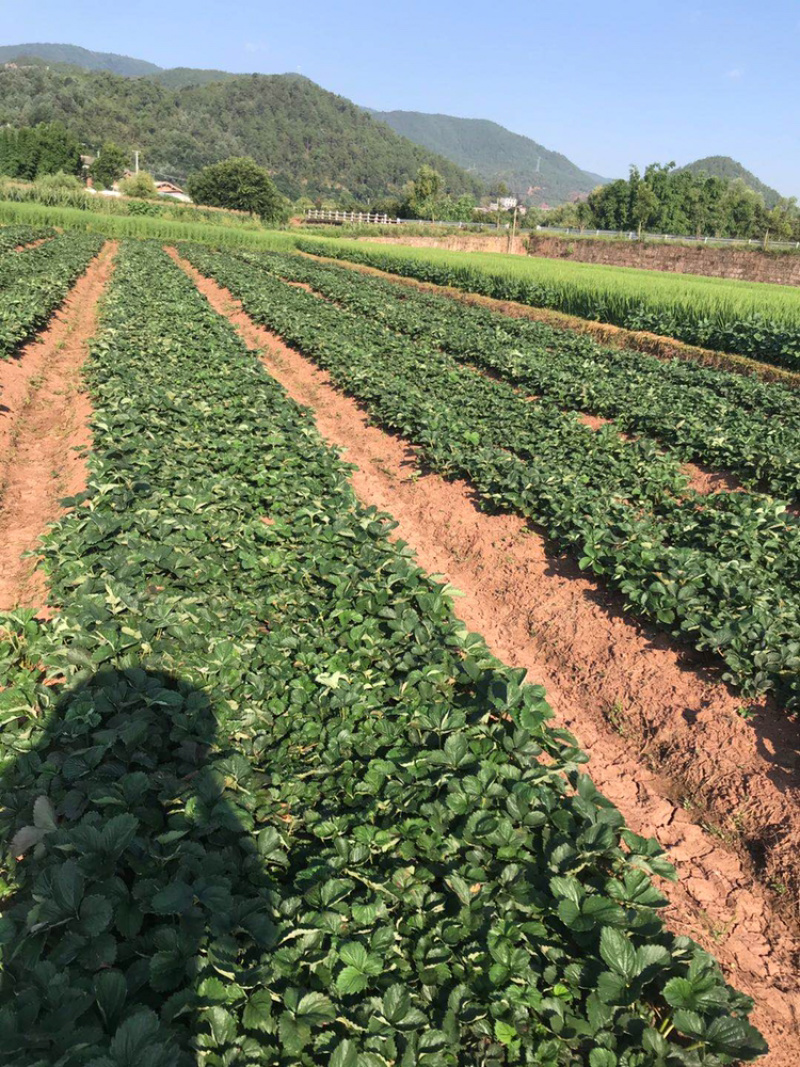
12 237
726 421
719 572
267 801
34 282
637 300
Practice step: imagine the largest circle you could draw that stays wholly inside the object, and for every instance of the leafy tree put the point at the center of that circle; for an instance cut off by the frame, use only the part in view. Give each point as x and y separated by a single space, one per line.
583 214
782 217
32 151
110 165
424 193
644 206
689 202
461 209
58 150
141 185
239 183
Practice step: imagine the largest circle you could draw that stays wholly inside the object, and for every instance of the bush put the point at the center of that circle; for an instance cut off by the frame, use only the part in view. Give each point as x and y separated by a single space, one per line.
140 186
239 183
60 188
109 166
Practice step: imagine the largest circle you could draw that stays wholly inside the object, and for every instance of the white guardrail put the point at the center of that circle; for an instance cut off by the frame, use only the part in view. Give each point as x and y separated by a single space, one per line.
320 215
342 217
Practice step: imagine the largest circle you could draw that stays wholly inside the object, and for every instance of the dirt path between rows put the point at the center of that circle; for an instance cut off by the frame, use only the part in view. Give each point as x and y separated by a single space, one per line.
652 344
604 675
44 419
32 244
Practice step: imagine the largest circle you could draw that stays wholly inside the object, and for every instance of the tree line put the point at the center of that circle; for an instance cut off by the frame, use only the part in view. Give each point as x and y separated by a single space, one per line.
666 200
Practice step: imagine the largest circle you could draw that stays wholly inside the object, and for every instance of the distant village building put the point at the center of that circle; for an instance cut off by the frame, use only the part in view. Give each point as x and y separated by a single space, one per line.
504 203
173 190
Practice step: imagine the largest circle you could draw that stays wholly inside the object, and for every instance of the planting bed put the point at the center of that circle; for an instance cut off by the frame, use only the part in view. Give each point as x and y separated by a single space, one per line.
756 320
35 281
623 690
43 430
267 800
717 571
14 237
707 416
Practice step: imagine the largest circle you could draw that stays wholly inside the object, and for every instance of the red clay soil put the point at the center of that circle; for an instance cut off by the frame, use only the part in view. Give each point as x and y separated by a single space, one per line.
652 344
33 244
44 418
705 481
666 743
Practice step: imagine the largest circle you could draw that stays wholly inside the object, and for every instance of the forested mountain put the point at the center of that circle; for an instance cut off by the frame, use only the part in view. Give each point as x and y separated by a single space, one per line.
180 77
78 57
729 169
496 154
314 142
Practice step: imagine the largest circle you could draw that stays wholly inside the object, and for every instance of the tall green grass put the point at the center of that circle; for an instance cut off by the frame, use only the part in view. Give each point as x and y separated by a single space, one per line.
750 318
60 191
144 227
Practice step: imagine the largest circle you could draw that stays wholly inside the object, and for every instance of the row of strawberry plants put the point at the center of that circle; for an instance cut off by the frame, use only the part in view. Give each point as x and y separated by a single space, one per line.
727 421
725 330
720 572
12 237
34 283
276 806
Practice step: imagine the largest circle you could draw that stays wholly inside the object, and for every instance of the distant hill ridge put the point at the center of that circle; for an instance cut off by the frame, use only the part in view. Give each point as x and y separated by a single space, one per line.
725 167
314 143
487 150
79 57
370 162
496 154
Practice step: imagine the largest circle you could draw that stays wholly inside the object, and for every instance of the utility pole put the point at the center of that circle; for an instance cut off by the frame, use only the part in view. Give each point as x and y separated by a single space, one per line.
510 247
136 158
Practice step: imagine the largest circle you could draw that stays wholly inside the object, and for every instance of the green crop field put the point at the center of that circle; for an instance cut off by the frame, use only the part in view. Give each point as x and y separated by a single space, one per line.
266 800
756 427
35 281
699 568
753 319
140 226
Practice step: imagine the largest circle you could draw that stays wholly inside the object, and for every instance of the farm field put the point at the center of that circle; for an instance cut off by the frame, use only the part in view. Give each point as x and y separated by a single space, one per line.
756 427
753 319
37 216
266 798
13 237
33 282
719 571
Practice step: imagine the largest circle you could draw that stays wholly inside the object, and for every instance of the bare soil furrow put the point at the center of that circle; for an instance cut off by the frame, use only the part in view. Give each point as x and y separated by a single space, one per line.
44 430
666 741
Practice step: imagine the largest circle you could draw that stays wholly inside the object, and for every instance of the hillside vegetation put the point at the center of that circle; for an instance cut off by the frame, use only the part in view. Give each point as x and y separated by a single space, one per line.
496 154
728 169
313 142
79 57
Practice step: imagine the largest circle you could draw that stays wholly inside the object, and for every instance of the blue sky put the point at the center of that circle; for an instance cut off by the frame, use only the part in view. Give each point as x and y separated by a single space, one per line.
605 83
